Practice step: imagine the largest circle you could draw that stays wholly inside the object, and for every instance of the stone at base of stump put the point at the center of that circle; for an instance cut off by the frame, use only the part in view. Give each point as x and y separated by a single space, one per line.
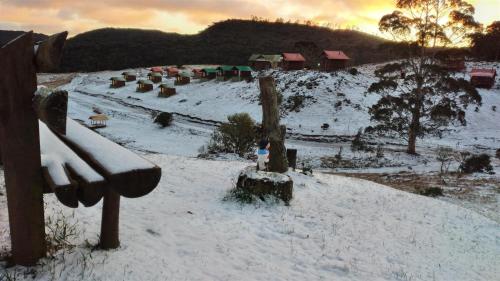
261 183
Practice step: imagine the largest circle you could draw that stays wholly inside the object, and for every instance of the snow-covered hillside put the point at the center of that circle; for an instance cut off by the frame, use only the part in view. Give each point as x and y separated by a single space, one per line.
339 99
335 229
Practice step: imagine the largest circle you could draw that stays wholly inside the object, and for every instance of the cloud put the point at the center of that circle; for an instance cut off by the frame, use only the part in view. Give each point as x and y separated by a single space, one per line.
191 16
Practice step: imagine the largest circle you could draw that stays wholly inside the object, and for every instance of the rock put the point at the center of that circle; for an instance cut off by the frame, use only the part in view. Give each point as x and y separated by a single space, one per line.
260 184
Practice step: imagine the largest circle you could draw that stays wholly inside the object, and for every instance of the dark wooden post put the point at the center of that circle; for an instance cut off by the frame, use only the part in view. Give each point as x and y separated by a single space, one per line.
110 220
271 127
20 145
52 109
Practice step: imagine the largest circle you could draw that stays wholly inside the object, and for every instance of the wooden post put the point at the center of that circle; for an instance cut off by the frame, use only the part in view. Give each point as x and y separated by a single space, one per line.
52 109
271 127
110 220
20 145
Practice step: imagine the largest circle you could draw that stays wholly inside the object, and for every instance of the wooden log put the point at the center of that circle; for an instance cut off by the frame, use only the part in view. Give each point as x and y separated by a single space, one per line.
104 156
49 52
66 174
271 127
52 109
109 238
66 193
19 141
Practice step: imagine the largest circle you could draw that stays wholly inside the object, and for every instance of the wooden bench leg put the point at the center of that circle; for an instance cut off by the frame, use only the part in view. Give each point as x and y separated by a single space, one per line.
110 220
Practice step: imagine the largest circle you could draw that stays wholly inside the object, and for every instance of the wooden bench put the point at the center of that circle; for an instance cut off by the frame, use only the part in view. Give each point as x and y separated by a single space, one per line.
44 151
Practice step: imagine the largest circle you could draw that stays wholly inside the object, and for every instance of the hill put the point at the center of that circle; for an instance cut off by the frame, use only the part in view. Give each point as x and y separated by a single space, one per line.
7 35
227 42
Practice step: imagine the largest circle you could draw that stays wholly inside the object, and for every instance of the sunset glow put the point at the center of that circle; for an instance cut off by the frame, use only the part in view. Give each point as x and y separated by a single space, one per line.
49 16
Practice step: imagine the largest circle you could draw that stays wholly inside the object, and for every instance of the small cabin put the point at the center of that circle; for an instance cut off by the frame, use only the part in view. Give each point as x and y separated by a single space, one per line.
117 82
157 69
208 74
263 62
182 79
483 78
452 59
242 73
144 86
225 72
197 73
98 121
129 76
166 91
333 61
155 77
172 71
292 61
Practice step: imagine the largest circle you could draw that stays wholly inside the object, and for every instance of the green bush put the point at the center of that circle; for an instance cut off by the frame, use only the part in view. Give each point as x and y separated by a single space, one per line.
432 192
164 119
237 136
353 71
479 163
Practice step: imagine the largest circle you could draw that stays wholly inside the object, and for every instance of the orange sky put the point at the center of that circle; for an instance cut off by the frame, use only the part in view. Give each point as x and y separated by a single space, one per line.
191 16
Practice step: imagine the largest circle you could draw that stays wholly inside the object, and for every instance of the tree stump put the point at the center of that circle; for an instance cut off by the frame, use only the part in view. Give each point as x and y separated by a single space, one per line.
262 184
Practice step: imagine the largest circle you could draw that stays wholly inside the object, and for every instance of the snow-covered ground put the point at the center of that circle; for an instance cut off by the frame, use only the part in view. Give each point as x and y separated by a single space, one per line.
336 228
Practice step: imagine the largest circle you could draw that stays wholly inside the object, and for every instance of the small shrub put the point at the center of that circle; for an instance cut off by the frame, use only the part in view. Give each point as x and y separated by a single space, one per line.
497 154
478 163
432 192
353 71
295 103
445 156
380 151
358 144
164 119
237 136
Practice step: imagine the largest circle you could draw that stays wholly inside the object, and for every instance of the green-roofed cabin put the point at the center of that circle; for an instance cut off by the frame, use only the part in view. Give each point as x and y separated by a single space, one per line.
117 82
155 77
208 74
166 91
182 79
129 76
242 73
225 72
263 62
144 86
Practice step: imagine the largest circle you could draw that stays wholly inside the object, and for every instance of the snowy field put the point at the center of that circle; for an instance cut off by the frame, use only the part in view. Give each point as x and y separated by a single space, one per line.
335 229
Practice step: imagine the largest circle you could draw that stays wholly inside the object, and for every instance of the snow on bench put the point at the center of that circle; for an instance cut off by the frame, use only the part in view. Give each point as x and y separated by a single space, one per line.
66 174
126 173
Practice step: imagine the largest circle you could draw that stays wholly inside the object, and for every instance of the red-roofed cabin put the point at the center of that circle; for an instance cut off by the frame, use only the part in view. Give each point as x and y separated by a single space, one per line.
156 69
292 61
333 60
172 71
483 78
197 73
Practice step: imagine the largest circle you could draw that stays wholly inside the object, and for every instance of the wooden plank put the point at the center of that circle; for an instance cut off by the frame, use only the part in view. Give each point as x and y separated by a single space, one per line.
66 174
104 156
19 141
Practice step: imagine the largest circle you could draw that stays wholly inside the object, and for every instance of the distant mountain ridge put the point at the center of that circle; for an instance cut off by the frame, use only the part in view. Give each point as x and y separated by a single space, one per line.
227 42
7 35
